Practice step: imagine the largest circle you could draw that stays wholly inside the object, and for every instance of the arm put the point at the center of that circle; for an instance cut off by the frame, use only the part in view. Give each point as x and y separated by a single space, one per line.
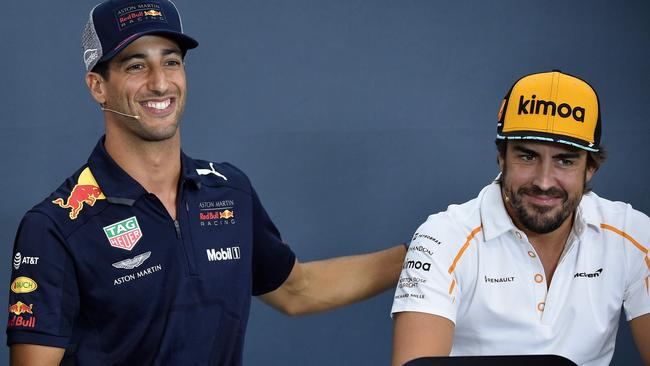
419 335
35 355
327 284
640 327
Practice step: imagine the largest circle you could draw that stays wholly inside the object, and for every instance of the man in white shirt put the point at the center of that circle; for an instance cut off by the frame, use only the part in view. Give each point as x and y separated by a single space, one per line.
537 263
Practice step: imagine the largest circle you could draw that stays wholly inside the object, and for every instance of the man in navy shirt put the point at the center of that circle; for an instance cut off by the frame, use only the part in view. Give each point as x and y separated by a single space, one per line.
145 256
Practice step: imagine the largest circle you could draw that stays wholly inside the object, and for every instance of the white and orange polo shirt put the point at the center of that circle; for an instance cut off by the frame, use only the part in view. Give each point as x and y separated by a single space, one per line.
472 265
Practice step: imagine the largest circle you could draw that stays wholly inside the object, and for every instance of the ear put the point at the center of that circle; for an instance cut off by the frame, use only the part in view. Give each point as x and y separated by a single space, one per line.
590 173
95 83
500 161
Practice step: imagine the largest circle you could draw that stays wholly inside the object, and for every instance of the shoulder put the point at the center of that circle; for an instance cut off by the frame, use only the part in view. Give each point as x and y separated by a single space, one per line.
450 229
221 174
70 205
606 213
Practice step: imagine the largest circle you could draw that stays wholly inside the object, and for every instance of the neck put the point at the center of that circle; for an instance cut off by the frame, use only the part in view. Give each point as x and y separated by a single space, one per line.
553 241
156 165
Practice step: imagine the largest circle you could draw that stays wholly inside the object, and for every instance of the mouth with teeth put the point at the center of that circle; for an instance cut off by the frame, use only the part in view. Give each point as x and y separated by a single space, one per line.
159 107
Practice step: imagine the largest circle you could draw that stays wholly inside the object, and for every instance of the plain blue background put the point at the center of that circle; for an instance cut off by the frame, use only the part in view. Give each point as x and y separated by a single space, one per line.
354 119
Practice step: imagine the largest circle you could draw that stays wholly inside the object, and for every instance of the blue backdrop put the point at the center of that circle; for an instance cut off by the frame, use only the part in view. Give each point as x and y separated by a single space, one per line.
354 119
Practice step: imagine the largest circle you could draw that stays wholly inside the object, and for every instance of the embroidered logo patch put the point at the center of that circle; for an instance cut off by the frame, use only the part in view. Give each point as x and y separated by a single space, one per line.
124 234
133 14
86 191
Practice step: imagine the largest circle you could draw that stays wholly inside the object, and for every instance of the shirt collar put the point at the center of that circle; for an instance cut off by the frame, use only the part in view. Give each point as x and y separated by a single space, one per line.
496 221
494 217
117 185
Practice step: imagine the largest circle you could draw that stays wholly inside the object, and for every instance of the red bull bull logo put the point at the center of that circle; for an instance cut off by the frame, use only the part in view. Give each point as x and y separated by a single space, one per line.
20 308
153 13
85 192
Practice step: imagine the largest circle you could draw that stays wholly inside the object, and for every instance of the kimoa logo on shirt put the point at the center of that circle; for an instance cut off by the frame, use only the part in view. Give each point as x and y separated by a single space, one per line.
596 273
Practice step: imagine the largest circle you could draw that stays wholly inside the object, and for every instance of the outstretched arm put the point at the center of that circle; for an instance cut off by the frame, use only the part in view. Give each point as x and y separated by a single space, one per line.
327 284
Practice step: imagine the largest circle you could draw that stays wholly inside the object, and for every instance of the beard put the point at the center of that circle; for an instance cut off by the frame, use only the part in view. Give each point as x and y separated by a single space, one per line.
540 219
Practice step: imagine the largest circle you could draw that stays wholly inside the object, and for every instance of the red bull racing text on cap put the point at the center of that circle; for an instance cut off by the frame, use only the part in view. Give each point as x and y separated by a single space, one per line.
551 106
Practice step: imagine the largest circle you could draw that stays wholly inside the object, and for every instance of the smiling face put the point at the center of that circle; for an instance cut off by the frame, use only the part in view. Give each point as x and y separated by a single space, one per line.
146 79
542 183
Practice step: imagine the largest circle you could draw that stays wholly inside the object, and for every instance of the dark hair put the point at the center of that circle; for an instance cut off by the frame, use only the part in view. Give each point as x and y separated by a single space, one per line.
594 159
102 69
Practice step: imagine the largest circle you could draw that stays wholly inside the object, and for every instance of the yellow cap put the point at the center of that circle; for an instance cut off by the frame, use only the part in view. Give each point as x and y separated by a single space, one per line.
551 106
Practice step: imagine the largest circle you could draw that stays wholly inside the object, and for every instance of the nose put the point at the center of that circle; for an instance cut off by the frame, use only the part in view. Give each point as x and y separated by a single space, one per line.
544 175
157 81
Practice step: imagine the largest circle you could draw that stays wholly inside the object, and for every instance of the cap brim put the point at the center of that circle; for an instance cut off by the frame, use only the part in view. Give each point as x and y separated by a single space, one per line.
548 137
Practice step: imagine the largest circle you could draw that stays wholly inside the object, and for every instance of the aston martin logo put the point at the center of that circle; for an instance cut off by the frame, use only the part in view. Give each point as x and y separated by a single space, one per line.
132 262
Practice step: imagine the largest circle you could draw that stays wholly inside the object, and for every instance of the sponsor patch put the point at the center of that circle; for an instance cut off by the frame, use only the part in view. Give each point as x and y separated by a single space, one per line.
410 282
499 279
425 236
409 263
85 192
215 213
23 285
20 321
124 234
133 14
211 171
137 275
134 262
20 308
19 259
227 254
593 274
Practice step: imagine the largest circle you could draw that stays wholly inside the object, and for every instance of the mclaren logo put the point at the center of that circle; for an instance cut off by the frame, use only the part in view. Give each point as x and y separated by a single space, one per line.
589 275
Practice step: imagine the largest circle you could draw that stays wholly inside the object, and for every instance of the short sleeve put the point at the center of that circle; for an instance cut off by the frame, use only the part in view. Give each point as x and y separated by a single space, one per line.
426 284
43 295
273 260
636 301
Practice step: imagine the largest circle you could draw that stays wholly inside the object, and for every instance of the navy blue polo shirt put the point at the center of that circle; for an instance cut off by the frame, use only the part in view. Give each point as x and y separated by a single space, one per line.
101 269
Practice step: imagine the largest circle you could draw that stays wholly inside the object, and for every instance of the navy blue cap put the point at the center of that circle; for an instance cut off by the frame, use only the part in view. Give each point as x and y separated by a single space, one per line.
114 24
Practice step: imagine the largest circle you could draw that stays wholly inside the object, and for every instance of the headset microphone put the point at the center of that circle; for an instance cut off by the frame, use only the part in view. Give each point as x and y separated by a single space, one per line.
120 113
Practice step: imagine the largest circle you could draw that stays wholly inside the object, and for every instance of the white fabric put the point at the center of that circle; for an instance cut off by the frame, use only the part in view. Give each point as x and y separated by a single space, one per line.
496 303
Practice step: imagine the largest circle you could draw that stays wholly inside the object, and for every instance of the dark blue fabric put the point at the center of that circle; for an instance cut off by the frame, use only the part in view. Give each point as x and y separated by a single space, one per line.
186 303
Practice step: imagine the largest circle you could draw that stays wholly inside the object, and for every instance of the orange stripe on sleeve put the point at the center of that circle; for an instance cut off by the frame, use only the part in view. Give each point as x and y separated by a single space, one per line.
464 247
460 254
626 236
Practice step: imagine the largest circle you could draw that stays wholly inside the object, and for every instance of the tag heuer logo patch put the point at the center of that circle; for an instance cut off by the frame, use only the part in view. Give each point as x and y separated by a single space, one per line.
124 234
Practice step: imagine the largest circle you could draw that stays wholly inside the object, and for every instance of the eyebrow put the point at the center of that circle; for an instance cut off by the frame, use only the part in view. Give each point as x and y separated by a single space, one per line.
524 150
566 155
569 155
164 52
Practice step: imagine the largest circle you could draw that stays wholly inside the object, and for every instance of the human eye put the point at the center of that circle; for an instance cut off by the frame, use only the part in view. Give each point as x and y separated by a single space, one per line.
527 157
173 63
566 162
135 67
